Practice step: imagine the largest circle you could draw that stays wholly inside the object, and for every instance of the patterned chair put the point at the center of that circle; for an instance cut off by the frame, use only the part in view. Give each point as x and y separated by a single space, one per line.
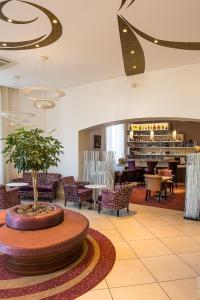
47 185
115 200
75 191
8 198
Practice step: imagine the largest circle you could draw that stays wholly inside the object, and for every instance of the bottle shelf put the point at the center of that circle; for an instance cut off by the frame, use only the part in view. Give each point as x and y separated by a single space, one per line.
160 147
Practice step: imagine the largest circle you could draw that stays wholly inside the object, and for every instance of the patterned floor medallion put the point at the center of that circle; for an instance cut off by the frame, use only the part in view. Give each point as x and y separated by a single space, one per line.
92 267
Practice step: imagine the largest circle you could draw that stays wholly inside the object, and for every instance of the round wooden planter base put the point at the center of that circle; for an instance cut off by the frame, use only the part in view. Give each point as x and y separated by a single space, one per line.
44 251
39 265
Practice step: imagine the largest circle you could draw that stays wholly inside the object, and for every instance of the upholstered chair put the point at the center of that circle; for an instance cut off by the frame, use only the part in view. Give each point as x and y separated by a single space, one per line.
173 165
150 167
169 183
154 184
8 198
75 191
115 200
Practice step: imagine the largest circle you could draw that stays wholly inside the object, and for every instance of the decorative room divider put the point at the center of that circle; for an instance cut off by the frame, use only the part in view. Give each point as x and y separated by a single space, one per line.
192 200
98 167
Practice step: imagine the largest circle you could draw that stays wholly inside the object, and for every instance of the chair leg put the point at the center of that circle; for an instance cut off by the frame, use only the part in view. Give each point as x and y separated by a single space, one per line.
159 196
147 193
165 193
127 209
118 212
79 205
99 209
65 202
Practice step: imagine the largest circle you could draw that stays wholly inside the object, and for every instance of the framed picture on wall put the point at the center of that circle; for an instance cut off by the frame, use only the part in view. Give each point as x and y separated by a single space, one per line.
97 141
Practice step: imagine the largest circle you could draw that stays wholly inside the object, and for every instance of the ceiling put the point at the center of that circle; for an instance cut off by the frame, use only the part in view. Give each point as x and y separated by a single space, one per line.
89 48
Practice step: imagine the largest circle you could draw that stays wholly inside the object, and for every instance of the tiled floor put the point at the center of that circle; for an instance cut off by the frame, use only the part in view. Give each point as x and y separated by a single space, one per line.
158 255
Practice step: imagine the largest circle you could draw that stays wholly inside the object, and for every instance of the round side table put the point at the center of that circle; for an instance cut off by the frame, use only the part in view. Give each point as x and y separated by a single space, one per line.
95 187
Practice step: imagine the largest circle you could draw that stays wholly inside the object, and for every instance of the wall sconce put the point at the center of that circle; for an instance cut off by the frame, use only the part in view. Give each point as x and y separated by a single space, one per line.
151 135
174 134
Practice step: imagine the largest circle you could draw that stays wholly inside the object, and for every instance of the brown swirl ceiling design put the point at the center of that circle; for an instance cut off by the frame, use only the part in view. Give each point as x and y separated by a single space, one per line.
41 41
133 54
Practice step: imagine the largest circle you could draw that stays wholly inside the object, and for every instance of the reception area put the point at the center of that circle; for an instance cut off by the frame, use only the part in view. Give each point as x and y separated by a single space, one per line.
99 150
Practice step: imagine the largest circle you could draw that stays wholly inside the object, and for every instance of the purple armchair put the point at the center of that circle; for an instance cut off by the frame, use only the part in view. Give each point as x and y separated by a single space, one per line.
116 200
75 191
8 198
47 185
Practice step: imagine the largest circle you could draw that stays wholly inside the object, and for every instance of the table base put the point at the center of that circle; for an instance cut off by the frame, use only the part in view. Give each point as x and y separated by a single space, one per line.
38 265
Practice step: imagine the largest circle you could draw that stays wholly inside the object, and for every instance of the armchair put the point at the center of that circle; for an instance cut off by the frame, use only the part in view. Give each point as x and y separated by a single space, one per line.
75 191
116 200
8 198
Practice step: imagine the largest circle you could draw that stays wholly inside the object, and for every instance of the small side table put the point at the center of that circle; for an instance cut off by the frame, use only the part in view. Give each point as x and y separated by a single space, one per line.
95 187
16 184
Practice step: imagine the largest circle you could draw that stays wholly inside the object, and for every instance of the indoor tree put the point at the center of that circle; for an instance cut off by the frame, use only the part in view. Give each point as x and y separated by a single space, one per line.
29 150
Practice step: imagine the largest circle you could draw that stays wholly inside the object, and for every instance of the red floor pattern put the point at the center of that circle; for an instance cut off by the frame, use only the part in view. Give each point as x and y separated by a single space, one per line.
176 201
67 284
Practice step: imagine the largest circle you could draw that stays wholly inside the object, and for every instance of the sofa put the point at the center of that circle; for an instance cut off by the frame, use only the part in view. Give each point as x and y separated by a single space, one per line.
8 198
75 191
47 185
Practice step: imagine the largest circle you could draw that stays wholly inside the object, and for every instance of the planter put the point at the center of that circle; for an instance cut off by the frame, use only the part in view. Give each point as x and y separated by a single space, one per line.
34 222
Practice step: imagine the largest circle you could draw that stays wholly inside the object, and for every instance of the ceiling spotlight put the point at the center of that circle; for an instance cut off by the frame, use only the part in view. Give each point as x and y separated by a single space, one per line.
125 30
132 52
156 41
4 44
9 20
134 67
37 46
55 21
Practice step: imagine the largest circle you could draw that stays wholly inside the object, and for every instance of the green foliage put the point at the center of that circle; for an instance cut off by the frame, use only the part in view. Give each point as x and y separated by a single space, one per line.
30 150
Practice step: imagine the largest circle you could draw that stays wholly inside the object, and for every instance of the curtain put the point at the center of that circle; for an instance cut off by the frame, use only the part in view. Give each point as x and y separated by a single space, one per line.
8 102
115 140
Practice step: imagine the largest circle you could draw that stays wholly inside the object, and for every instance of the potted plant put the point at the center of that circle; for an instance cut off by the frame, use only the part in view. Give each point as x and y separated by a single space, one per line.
30 151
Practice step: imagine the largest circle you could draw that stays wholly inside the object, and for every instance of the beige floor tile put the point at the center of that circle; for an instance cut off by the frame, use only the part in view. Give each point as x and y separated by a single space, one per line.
140 292
102 285
125 222
181 245
196 238
112 234
149 248
192 259
185 289
128 272
124 251
135 233
175 219
190 228
165 231
96 295
169 267
152 221
101 224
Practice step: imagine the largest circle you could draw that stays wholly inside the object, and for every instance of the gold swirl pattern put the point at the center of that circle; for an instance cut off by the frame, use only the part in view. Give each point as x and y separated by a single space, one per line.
42 41
133 54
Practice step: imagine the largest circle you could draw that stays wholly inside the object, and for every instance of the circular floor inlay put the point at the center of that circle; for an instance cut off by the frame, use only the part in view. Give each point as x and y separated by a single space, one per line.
92 267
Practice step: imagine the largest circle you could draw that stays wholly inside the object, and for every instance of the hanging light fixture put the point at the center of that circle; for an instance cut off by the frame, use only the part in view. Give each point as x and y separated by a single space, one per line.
16 117
44 96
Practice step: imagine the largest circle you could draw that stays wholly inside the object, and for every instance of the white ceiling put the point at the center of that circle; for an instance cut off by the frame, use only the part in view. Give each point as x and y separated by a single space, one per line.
89 49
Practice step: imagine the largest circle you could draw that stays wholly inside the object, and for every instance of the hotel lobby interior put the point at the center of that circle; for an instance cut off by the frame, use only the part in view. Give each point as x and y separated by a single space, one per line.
99 150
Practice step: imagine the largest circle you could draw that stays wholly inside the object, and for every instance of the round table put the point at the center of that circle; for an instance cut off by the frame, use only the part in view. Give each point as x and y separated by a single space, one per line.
44 251
16 184
95 187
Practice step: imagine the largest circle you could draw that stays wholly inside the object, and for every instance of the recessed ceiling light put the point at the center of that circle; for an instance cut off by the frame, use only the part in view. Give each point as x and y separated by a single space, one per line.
125 30
132 52
134 67
156 41
4 44
37 46
55 21
9 20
